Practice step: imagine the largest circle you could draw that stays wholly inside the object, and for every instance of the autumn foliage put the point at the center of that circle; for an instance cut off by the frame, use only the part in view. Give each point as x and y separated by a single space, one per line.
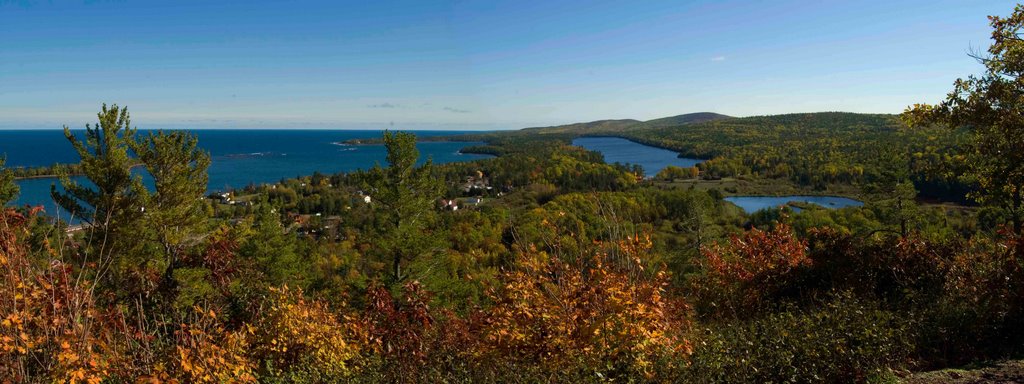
830 305
50 324
548 318
556 314
208 353
749 271
295 336
547 315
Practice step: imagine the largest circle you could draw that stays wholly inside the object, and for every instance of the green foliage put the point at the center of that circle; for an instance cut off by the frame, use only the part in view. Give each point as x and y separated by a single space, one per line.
672 172
901 210
528 161
681 222
47 170
175 213
273 248
806 149
116 201
473 258
111 203
406 195
8 189
810 150
991 107
846 340
179 170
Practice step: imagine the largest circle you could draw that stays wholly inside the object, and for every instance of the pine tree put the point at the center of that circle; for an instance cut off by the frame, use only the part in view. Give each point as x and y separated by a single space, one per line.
273 248
893 193
8 189
405 196
176 212
114 200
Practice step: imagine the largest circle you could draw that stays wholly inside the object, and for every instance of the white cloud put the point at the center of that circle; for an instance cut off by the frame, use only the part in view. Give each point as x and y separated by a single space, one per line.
718 58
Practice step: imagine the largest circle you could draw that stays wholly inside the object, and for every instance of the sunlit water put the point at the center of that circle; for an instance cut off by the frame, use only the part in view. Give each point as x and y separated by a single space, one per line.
654 160
752 204
618 150
240 157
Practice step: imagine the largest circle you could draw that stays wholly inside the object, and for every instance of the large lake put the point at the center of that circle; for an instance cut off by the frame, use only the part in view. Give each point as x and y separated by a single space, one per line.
756 203
618 150
240 156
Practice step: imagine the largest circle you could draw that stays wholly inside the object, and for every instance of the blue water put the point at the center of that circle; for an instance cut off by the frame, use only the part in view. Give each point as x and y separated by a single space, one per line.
240 157
757 203
617 150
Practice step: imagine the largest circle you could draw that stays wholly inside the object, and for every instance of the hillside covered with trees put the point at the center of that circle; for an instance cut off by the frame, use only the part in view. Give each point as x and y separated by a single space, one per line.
813 151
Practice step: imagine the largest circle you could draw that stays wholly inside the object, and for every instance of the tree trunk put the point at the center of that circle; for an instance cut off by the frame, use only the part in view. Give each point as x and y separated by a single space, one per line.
903 219
168 285
1018 223
397 267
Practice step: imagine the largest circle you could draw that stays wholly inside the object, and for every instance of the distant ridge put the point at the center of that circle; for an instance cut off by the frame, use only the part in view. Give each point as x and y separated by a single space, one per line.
599 125
688 118
621 125
703 135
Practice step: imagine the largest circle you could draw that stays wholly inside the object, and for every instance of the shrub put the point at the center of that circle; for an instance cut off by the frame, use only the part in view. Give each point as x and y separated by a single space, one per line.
564 317
50 326
978 315
846 340
399 331
749 273
208 353
302 340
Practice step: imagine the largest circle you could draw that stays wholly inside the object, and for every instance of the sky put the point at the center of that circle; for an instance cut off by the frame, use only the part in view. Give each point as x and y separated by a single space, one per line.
425 64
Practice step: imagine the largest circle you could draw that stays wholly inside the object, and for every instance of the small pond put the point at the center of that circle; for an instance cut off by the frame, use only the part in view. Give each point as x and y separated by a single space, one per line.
756 203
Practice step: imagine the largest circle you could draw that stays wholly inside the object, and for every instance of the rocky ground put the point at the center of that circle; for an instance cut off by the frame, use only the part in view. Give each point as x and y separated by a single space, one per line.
1011 371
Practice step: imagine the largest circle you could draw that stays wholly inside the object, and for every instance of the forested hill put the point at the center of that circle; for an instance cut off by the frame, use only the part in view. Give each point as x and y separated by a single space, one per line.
721 127
809 149
599 127
824 130
583 128
501 142
813 150
615 126
688 118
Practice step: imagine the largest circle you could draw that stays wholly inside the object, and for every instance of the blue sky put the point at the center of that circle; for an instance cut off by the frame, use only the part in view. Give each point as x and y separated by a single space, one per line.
474 64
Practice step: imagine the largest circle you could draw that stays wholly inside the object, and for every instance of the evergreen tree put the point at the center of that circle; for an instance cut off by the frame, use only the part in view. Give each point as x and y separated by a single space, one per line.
8 189
894 194
405 196
114 200
272 248
176 212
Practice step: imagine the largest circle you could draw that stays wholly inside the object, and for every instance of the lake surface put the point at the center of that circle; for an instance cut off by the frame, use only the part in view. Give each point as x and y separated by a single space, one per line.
619 150
756 203
239 157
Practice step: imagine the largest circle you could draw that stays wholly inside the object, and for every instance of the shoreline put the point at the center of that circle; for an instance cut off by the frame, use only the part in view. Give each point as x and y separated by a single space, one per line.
637 141
55 176
17 178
